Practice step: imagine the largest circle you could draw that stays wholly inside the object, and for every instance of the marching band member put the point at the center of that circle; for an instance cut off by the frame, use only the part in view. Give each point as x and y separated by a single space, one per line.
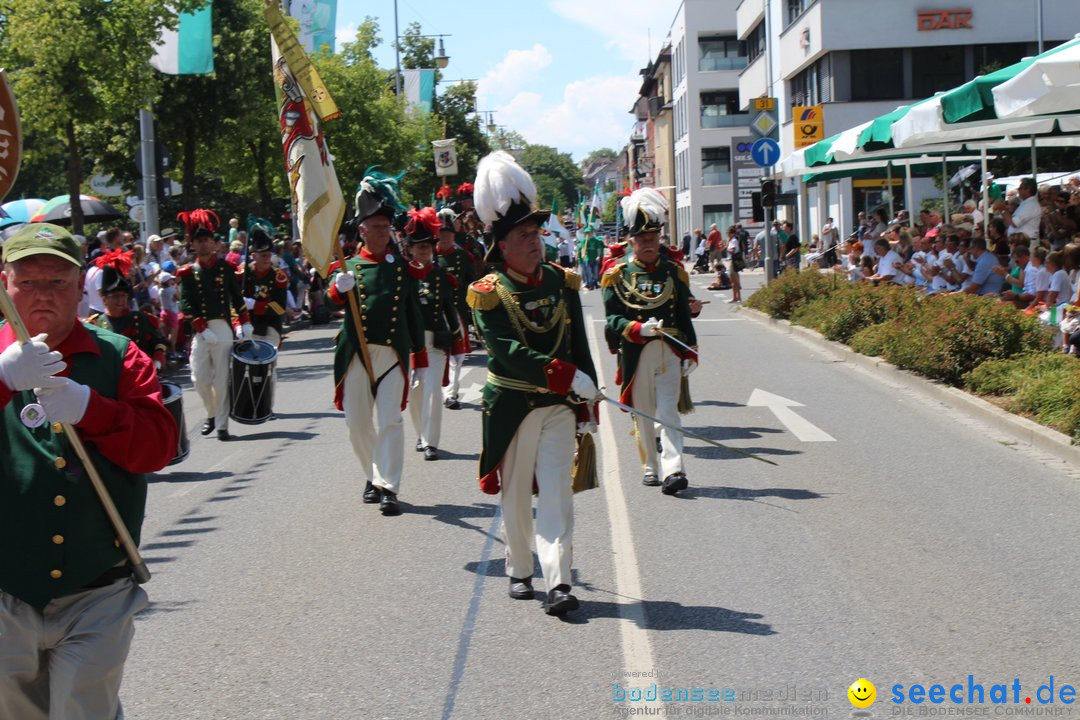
68 605
644 299
441 328
118 317
388 303
462 268
265 288
541 385
209 294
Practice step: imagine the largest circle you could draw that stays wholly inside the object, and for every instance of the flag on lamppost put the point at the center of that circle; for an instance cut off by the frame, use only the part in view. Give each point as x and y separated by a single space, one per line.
445 157
189 48
316 195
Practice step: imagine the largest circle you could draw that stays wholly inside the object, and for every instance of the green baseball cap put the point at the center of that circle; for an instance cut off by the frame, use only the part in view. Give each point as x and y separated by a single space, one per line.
42 239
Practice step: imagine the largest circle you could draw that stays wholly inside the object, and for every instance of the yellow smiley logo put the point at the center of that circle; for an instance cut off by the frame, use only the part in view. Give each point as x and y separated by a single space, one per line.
862 693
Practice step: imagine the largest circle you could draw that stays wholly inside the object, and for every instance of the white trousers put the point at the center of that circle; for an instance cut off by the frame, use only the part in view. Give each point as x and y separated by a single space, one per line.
210 371
425 400
376 429
656 392
66 662
542 448
450 392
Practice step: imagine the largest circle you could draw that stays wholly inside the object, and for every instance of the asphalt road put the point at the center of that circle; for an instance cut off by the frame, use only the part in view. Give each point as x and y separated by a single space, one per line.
914 547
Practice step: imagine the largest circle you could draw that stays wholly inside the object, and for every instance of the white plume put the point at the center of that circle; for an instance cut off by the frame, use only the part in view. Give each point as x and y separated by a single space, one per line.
499 182
649 201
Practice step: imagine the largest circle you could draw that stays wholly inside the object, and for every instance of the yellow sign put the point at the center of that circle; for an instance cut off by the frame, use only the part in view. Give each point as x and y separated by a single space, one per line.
876 182
808 124
764 103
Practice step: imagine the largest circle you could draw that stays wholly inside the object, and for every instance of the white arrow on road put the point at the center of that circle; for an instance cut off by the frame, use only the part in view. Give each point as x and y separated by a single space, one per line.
797 425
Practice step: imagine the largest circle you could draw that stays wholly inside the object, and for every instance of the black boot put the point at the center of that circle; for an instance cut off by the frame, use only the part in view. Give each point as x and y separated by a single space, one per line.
208 426
372 494
673 483
559 601
521 588
389 504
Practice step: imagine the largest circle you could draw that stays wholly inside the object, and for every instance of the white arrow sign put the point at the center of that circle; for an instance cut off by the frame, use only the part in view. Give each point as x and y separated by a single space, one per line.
797 425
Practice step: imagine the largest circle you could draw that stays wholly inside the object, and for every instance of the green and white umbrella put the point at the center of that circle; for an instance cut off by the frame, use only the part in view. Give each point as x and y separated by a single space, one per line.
1049 84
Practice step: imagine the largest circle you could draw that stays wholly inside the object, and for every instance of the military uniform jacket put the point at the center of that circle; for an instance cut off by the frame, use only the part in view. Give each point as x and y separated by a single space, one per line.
56 533
632 294
436 294
388 298
462 266
536 340
269 291
210 293
138 327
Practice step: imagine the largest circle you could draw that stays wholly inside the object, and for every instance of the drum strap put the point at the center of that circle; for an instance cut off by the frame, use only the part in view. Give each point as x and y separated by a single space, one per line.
378 380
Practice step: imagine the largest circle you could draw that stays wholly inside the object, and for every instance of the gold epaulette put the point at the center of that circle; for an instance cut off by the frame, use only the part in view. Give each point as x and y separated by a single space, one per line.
683 275
572 279
481 295
612 276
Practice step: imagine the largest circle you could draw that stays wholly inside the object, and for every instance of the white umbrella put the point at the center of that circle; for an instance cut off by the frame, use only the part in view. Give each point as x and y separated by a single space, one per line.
1050 85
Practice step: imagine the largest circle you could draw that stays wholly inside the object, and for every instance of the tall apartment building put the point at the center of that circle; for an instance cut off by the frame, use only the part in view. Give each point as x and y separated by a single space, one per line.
861 58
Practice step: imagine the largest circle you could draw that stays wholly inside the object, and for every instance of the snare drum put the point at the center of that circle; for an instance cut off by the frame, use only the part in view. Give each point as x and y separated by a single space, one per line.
173 399
251 382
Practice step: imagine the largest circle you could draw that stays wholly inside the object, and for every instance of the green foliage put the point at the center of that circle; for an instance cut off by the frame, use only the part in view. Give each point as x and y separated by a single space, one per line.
610 205
602 153
871 340
849 308
1044 385
780 298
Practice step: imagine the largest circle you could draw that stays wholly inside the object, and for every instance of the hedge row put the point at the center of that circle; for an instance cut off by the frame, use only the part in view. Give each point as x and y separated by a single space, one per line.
963 340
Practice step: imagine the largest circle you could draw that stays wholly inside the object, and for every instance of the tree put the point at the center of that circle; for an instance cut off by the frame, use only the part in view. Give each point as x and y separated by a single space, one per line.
80 63
601 154
555 174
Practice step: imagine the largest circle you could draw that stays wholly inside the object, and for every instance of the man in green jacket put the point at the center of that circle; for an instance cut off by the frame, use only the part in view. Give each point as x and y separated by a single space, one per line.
541 384
67 598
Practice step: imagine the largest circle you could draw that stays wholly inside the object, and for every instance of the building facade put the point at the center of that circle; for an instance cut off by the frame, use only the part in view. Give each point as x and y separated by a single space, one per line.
859 59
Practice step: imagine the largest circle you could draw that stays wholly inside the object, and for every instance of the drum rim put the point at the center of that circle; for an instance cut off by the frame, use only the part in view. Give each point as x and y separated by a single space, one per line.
247 361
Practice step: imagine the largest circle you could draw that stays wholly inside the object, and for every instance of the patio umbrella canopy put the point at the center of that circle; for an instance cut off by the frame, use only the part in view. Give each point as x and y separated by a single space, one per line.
58 210
1049 84
20 211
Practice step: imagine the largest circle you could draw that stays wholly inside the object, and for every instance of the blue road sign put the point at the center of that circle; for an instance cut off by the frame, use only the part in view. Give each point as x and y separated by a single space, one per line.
766 152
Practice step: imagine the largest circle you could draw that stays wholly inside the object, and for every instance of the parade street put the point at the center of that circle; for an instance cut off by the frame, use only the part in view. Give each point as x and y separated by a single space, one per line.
895 540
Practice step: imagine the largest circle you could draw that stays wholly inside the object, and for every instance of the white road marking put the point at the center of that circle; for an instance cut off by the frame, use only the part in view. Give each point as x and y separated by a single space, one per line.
637 650
797 425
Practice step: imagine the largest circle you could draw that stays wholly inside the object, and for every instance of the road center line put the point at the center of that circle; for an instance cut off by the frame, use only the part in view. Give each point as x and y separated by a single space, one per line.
637 650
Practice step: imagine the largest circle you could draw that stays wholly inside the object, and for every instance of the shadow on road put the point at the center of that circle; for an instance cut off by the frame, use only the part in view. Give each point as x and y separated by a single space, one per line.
668 615
276 435
180 477
717 403
290 416
304 372
447 455
154 608
456 515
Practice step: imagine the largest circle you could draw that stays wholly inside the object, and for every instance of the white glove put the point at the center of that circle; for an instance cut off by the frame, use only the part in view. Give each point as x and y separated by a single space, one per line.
157 365
244 331
209 337
688 366
345 282
651 327
583 386
23 367
586 427
63 399
249 303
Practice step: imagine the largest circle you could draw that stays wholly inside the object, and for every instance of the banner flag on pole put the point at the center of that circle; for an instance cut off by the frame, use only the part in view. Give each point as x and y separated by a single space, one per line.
445 157
188 49
316 194
419 88
316 19
301 69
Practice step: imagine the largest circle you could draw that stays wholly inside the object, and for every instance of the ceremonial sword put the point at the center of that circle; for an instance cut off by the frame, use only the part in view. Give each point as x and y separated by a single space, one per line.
684 431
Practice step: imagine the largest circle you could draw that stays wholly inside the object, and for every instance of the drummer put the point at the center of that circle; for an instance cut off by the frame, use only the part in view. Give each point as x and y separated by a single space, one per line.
265 289
116 291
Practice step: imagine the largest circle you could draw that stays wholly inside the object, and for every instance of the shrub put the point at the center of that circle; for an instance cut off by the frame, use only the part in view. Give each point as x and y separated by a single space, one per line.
779 298
851 308
1045 385
871 340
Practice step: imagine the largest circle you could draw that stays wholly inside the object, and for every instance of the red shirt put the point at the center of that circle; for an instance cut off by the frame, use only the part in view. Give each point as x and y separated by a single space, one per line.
134 430
715 240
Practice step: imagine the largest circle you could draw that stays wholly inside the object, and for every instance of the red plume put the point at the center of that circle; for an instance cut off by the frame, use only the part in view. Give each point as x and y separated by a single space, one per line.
465 190
121 261
199 218
444 192
425 218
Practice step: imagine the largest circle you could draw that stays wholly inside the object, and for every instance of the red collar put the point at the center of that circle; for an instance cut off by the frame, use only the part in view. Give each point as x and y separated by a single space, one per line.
644 266
256 273
213 262
522 279
78 340
368 255
453 247
420 272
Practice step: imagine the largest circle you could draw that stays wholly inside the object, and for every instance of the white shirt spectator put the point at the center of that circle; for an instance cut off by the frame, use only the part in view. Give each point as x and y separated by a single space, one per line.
1042 280
169 301
1060 284
920 259
887 266
1031 279
92 293
1026 218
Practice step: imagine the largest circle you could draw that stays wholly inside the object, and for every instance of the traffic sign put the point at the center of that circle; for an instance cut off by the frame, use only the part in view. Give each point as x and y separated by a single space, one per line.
764 103
765 122
766 152
809 125
138 212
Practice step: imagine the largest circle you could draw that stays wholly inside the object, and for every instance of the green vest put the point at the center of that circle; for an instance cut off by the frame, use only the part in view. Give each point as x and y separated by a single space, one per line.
270 295
210 294
459 264
57 535
137 327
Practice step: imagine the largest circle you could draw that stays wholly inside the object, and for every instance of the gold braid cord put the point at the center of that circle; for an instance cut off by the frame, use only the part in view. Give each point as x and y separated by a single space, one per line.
521 322
631 298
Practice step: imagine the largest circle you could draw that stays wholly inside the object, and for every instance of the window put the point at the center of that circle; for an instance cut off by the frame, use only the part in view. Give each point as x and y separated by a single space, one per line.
795 8
680 63
877 74
721 109
935 69
813 85
999 55
755 43
720 215
720 52
681 183
716 166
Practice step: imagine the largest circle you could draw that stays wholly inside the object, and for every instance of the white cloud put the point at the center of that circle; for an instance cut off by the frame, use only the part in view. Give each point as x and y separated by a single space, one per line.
593 113
514 71
630 26
344 35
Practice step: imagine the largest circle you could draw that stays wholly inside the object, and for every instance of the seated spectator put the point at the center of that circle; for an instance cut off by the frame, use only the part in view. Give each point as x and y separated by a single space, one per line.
868 268
920 260
888 268
983 280
1020 280
1037 267
236 252
1060 289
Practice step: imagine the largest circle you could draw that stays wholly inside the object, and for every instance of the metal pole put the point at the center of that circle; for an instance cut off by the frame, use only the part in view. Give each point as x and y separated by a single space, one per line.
945 188
1034 163
149 165
768 245
985 193
888 175
397 53
1039 23
909 196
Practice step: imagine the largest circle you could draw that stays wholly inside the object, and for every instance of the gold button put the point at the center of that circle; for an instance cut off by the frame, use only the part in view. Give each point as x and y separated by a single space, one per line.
393 308
57 428
550 371
59 501
396 298
58 539
60 463
55 574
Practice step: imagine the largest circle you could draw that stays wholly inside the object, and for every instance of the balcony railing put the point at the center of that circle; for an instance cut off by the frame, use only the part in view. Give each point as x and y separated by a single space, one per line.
722 121
706 64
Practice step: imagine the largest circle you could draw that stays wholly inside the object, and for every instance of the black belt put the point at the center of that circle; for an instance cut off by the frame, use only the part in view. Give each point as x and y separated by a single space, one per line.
119 572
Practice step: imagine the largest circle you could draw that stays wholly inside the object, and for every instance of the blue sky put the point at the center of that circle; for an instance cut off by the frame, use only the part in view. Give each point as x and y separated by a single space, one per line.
560 72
